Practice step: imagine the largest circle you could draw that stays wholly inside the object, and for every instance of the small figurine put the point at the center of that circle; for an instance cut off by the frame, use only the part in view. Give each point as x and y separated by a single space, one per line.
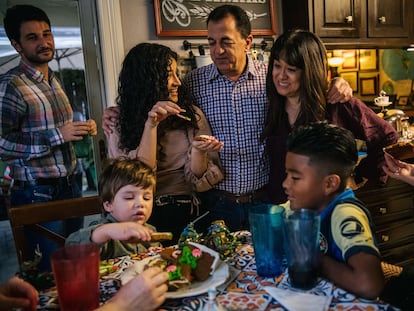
189 233
29 271
220 239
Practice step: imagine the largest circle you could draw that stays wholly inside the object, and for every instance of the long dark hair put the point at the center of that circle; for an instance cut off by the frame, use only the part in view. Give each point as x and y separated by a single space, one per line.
304 50
142 82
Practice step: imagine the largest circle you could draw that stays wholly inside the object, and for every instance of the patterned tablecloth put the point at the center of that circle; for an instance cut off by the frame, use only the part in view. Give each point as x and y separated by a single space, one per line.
244 290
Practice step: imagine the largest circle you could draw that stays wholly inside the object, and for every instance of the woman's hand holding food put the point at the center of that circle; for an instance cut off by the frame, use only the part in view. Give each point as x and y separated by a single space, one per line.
201 145
206 143
398 169
161 110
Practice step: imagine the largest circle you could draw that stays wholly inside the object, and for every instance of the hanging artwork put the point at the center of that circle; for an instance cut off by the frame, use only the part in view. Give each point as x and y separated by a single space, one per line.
368 86
188 17
368 60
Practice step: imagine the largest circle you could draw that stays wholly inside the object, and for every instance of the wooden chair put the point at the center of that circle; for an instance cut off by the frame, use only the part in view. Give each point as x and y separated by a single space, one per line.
32 215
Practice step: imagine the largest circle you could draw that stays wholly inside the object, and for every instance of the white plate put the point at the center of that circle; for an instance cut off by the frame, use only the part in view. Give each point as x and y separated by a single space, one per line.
218 277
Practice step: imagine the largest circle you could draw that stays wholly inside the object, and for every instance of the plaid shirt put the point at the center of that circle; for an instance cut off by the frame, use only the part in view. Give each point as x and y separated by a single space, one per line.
236 111
31 112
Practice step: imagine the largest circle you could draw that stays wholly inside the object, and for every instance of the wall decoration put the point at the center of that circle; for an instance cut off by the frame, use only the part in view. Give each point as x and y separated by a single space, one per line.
402 100
187 18
352 78
368 86
350 59
368 60
403 87
398 64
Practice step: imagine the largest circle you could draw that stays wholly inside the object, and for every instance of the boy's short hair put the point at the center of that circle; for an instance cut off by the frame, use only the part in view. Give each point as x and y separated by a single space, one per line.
122 172
329 147
18 14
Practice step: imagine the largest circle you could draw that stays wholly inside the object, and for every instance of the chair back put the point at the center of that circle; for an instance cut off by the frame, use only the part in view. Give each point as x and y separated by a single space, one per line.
33 215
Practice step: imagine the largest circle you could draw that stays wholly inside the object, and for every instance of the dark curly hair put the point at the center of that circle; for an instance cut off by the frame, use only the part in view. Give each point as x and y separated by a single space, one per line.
142 82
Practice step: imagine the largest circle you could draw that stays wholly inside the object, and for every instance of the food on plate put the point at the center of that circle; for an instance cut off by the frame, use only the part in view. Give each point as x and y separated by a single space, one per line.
184 265
400 150
107 267
203 137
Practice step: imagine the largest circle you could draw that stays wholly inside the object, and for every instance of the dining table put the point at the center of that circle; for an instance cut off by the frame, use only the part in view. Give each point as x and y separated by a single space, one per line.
243 288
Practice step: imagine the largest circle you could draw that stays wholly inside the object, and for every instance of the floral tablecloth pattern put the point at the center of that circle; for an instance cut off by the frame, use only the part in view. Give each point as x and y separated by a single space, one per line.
244 290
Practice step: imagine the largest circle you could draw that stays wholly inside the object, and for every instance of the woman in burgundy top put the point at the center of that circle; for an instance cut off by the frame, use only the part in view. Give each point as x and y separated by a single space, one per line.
296 84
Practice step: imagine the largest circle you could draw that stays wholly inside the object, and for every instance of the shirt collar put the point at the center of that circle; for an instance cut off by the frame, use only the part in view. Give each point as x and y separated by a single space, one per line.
34 73
248 72
348 193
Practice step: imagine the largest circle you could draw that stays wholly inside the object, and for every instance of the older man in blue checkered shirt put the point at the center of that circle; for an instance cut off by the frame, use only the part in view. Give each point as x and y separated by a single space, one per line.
232 94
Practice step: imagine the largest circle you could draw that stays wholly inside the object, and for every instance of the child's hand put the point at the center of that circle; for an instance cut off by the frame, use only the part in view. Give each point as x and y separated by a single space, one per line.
121 231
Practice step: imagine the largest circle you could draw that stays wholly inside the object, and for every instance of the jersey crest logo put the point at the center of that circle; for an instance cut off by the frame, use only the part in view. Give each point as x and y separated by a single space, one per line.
351 227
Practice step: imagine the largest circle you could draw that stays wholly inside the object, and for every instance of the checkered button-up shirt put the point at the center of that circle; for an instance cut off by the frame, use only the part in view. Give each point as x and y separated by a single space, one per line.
31 111
236 111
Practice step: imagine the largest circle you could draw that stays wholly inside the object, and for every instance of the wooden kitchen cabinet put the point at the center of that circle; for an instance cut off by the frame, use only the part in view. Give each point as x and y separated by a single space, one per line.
390 18
354 23
392 208
336 18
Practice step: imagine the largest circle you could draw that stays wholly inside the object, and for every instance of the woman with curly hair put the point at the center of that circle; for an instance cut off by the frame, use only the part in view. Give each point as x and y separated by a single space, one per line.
158 124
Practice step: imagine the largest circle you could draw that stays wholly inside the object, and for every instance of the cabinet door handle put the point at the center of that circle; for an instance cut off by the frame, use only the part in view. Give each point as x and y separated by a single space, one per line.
385 238
382 210
348 19
382 20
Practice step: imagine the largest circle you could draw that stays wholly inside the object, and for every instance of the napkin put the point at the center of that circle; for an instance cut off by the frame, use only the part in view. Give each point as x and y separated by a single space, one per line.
297 301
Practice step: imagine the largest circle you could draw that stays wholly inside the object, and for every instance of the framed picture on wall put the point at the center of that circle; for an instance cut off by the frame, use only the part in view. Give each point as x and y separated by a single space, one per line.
368 86
403 87
368 60
352 78
187 18
402 100
350 59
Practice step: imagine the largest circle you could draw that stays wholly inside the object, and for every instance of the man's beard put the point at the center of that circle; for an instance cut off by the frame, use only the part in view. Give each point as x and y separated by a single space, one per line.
35 59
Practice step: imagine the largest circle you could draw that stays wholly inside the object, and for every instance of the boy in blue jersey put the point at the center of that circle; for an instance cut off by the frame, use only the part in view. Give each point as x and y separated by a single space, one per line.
320 159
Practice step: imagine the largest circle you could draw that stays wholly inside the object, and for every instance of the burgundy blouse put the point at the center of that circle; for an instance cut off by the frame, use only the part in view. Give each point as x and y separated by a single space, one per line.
355 116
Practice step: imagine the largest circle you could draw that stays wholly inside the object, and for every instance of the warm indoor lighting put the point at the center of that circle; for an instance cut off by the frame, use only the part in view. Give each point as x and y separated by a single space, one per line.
335 61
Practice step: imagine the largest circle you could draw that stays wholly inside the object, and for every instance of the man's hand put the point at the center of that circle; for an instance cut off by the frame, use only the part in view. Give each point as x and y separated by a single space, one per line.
110 119
93 130
76 130
339 91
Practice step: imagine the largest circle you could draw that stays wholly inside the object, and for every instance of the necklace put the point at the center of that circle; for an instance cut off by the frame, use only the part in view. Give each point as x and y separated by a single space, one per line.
293 113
